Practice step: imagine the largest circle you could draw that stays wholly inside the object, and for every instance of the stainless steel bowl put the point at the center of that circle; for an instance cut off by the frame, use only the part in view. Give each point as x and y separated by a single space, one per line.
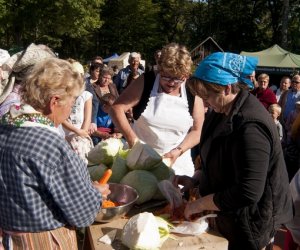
119 193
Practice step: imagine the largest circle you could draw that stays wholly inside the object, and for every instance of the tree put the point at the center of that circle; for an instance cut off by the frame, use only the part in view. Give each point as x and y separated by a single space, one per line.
129 25
285 19
60 24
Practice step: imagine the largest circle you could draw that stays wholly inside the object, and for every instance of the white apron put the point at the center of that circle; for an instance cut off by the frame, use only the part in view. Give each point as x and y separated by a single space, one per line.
164 124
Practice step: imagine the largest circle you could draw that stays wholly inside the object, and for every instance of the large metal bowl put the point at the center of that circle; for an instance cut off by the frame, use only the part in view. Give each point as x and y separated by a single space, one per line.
119 193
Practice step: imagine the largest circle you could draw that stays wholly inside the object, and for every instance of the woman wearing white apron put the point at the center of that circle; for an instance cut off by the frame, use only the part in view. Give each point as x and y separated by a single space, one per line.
161 111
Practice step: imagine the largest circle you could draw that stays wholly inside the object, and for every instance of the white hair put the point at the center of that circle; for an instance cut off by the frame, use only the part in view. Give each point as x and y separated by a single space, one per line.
134 55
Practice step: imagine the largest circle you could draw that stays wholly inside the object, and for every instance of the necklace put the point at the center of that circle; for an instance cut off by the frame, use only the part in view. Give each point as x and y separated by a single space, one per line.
104 90
21 119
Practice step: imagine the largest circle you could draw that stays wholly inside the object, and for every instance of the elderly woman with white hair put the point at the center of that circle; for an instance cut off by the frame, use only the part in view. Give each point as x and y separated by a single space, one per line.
45 187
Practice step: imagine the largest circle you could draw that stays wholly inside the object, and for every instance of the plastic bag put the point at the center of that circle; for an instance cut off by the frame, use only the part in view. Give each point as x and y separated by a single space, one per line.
176 202
171 193
196 227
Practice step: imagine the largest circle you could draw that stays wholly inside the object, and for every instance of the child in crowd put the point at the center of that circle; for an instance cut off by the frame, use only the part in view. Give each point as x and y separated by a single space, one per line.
77 125
275 111
105 126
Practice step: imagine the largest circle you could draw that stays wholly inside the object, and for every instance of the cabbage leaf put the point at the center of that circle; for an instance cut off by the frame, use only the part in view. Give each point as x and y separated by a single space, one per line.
144 182
142 157
105 151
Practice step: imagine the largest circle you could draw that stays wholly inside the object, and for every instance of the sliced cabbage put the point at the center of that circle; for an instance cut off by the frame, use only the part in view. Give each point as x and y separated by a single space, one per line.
162 172
144 182
163 229
105 151
142 156
145 231
123 153
141 232
119 169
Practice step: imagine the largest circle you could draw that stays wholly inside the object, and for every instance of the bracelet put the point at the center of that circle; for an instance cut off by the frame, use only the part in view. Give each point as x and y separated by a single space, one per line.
180 149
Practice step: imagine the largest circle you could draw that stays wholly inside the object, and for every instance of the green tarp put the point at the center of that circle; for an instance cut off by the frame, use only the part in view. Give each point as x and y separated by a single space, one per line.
276 60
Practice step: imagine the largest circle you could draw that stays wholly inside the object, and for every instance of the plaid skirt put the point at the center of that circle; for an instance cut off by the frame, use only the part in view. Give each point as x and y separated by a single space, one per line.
58 239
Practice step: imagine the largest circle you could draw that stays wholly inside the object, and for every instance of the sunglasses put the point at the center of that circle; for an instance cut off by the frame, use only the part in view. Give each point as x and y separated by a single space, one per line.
294 81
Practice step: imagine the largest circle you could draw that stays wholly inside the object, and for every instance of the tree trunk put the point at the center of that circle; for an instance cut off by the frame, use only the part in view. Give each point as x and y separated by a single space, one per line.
284 28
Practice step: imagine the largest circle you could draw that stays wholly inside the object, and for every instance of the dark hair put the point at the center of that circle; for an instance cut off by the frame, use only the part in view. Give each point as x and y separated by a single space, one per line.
97 58
94 66
108 99
202 88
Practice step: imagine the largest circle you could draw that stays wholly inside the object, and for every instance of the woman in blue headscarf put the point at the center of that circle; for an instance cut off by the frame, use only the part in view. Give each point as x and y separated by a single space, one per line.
243 176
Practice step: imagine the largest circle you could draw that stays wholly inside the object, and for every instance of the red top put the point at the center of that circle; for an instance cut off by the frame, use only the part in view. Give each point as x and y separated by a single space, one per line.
266 97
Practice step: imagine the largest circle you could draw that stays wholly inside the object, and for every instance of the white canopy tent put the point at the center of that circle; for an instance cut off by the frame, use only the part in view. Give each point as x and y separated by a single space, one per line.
122 61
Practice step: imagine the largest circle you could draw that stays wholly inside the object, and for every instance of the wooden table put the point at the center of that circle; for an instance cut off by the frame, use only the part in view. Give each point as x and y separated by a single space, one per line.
205 241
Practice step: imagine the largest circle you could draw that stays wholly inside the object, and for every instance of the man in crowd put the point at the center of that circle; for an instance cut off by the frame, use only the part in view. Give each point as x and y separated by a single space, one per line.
133 67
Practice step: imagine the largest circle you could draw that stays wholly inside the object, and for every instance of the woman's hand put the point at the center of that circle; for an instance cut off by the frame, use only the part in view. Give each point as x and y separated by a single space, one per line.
117 135
173 155
193 207
93 128
199 205
183 180
82 133
105 135
102 188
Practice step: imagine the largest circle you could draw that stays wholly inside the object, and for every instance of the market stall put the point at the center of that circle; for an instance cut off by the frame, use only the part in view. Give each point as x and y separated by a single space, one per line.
275 60
142 194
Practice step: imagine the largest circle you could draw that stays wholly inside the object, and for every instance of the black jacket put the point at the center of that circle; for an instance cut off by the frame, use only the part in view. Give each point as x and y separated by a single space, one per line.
244 166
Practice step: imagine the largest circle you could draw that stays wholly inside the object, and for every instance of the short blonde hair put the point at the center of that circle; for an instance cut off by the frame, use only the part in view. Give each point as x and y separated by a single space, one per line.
275 107
263 76
49 78
77 66
176 60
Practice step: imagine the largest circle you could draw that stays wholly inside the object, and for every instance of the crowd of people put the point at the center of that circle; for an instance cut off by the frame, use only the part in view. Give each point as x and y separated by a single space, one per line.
245 135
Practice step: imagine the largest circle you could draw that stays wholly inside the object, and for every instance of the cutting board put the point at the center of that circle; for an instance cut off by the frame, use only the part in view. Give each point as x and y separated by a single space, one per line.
206 241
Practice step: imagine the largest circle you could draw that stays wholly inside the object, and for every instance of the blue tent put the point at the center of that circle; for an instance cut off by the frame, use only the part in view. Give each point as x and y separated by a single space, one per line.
106 60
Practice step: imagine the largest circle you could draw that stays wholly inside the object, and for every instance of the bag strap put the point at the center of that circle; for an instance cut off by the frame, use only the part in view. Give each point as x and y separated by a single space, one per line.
190 99
149 78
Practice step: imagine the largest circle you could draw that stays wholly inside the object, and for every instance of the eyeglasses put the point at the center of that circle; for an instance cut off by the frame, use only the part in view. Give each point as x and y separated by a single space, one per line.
294 81
172 79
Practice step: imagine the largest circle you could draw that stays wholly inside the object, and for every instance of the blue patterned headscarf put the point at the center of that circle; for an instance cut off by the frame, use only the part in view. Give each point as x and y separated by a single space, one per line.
225 68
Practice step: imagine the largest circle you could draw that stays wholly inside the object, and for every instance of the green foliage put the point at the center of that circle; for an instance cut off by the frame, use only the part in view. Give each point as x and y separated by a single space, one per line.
48 22
84 28
130 25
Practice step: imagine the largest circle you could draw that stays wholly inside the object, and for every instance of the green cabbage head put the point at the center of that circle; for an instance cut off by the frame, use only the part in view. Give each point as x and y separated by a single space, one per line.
144 182
105 151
